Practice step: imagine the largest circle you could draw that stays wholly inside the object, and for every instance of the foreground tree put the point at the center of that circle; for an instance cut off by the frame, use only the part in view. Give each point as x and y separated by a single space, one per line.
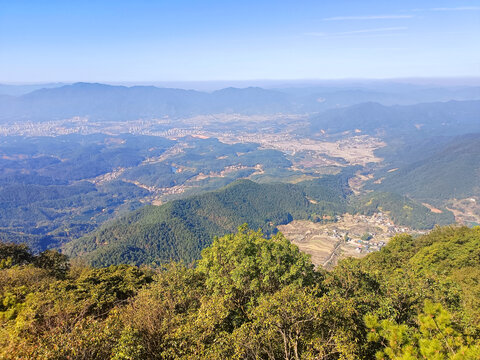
243 266
435 337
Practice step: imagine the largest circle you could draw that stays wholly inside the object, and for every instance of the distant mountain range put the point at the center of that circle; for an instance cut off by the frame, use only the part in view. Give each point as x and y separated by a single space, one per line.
116 103
112 103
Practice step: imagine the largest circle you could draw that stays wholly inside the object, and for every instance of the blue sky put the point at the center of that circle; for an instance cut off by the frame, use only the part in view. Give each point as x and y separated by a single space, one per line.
178 40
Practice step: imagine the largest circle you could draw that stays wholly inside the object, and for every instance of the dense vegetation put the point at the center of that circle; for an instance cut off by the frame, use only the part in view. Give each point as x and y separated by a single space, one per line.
249 297
74 157
419 121
45 199
180 229
448 172
402 210
46 216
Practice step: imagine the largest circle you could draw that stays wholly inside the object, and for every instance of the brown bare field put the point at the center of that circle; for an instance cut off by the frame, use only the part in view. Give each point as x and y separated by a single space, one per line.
432 208
356 150
356 183
466 211
330 242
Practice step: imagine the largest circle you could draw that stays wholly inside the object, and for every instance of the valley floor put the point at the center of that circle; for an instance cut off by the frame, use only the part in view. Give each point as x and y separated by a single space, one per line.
330 242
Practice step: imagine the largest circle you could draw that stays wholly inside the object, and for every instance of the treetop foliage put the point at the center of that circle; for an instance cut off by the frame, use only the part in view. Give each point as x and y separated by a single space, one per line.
249 297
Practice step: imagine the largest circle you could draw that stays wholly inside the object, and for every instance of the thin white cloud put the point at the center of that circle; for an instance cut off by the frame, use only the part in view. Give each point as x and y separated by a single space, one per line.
376 30
361 31
368 17
458 8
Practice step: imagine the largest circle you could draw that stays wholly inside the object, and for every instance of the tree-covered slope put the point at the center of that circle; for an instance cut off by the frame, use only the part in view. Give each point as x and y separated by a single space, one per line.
445 250
448 257
402 210
451 172
180 229
46 190
391 122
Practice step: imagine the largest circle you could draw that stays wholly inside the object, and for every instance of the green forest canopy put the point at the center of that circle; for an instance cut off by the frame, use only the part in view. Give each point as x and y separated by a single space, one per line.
249 297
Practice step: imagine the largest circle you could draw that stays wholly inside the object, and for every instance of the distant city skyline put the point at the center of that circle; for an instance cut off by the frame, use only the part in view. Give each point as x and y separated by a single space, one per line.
149 41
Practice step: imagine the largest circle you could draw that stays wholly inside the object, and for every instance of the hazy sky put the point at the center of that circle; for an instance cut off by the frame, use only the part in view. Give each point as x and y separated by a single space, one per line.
140 40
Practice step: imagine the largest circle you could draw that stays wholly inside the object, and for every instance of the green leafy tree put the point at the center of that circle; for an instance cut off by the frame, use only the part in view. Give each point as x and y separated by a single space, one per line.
243 266
14 254
435 337
296 323
57 264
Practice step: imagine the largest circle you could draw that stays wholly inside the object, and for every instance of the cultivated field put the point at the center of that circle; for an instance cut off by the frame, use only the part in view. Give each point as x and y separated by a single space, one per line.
327 243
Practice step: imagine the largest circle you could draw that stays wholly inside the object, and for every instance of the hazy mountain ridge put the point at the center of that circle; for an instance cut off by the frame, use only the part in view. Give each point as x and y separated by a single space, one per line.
106 102
114 103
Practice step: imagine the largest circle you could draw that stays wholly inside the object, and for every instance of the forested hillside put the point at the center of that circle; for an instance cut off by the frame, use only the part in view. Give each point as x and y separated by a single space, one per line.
393 122
452 171
249 297
180 229
47 195
401 209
